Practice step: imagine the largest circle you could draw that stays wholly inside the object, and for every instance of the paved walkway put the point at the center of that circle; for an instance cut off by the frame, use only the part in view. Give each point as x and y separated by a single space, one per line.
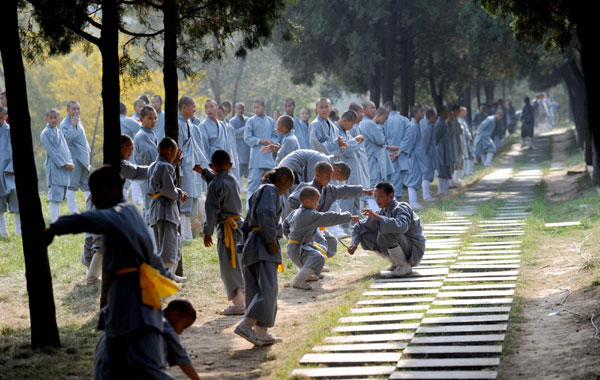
449 318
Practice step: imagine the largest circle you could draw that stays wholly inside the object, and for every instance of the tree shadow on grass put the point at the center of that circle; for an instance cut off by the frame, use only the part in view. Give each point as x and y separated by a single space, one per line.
83 299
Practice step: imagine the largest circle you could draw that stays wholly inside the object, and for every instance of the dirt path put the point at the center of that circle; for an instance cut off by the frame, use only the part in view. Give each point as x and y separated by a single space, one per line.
218 353
549 342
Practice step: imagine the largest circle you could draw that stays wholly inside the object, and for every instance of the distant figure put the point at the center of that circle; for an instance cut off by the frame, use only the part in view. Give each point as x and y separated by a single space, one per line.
479 116
443 141
238 122
8 189
276 114
512 118
527 124
484 145
300 126
159 130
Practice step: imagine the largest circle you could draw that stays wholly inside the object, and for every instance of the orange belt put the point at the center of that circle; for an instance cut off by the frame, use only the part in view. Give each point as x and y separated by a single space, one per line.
322 228
156 196
229 225
153 284
280 267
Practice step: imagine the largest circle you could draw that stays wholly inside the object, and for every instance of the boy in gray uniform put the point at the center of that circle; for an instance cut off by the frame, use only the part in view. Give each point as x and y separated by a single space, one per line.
145 148
164 214
394 232
300 228
58 163
134 322
223 208
289 141
8 190
329 194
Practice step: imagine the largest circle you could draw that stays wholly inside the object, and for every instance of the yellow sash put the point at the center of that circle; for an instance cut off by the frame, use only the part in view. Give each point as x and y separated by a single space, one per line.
322 228
156 196
153 284
229 225
314 243
280 267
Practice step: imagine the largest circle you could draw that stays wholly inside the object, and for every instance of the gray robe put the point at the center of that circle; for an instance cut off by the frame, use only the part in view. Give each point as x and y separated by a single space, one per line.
129 126
323 137
289 144
443 143
57 156
145 148
223 201
399 226
302 225
80 153
302 162
243 150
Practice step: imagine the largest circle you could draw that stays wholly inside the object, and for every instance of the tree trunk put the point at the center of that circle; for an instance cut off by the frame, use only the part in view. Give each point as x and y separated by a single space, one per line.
436 97
589 65
478 94
389 63
488 89
111 93
44 331
238 79
405 80
576 92
375 86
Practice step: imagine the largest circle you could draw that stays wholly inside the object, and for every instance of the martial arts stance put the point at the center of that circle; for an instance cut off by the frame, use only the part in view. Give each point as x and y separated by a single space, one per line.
261 256
224 211
134 321
484 145
300 228
394 232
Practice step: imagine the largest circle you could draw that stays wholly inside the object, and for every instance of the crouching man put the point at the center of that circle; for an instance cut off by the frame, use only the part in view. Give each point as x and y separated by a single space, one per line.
394 232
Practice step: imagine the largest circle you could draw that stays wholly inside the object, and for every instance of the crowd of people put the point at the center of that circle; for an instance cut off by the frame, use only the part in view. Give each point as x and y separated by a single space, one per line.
314 182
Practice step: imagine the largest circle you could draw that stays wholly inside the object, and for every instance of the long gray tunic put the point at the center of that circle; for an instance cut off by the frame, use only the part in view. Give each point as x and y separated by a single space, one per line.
301 130
6 163
483 139
376 148
243 150
57 156
223 201
399 226
289 144
302 162
430 158
161 179
443 144
80 153
301 225
193 155
323 137
129 126
145 153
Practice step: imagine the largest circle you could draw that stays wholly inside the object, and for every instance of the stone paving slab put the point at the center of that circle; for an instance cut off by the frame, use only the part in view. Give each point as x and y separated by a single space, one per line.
485 274
410 279
453 349
365 338
380 357
469 310
478 301
376 327
401 292
485 286
398 375
467 319
388 309
458 338
466 362
391 346
483 293
514 242
479 267
406 285
386 301
481 279
344 371
461 328
382 318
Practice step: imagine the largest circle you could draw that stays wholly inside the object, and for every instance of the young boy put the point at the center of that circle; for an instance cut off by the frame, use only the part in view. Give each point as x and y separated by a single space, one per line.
238 122
351 156
300 128
80 152
164 213
259 132
394 232
8 189
129 126
134 321
329 194
178 316
289 142
145 151
159 130
323 135
58 163
300 228
430 158
224 210
261 257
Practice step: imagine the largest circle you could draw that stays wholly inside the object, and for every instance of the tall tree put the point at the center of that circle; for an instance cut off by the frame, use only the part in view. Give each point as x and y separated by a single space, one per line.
553 23
44 330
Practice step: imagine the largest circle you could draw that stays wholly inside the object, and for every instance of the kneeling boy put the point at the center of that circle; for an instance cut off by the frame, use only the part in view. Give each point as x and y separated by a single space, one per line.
300 228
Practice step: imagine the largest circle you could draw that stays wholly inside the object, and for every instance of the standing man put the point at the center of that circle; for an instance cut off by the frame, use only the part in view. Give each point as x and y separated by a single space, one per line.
159 130
259 132
527 123
413 147
238 122
300 128
394 130
78 145
193 158
323 135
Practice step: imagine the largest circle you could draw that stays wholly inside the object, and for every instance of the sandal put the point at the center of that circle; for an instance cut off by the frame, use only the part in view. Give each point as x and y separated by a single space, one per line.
248 334
232 310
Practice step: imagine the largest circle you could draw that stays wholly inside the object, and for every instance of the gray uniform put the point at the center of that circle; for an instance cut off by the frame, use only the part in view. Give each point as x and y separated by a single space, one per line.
301 225
323 137
133 329
289 144
223 201
133 171
260 266
193 155
8 189
399 226
243 150
351 157
329 194
57 156
129 126
80 152
303 162
145 148
164 214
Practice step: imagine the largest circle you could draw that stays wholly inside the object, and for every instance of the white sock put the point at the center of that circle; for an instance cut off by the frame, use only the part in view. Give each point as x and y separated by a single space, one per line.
304 273
72 202
54 211
95 269
17 223
398 256
3 230
488 159
455 176
413 199
426 189
186 228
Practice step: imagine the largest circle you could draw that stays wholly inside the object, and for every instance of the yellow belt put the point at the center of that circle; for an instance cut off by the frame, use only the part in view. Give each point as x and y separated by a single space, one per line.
322 228
229 225
153 284
156 196
314 244
280 266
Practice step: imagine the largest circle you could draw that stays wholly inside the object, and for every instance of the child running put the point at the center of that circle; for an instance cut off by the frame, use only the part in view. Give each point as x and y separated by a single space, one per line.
261 255
300 228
